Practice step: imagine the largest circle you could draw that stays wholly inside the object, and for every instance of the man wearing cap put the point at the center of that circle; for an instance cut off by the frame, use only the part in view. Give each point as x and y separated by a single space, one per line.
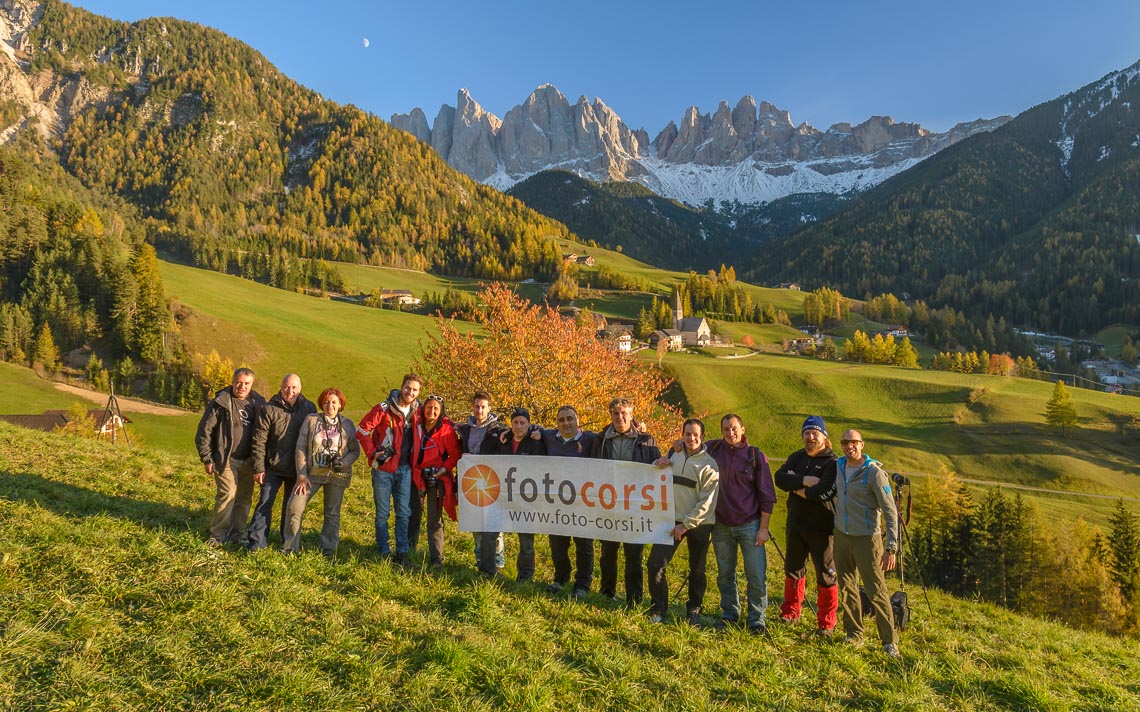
519 443
862 493
809 527
621 440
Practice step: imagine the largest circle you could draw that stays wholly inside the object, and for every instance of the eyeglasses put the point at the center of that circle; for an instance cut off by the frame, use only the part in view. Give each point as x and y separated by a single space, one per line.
850 442
435 398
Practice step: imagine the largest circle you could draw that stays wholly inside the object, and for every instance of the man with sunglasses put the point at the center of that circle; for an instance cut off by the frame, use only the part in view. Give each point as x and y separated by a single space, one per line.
862 492
385 436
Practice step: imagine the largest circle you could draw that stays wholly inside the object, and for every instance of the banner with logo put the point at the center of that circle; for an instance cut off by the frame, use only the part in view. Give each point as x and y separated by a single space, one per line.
595 499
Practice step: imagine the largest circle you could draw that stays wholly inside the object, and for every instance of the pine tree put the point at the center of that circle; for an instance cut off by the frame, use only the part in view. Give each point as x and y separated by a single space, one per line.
1059 411
906 355
46 354
1124 542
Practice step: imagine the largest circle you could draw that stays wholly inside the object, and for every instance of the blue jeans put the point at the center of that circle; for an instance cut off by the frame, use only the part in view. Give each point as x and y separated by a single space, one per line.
388 487
263 512
500 557
725 541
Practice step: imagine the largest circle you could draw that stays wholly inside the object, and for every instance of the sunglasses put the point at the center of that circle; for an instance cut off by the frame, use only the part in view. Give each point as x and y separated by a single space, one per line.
850 442
435 398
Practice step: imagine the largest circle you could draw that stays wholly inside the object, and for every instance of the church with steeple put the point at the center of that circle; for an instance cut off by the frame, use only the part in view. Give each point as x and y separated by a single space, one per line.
686 331
694 330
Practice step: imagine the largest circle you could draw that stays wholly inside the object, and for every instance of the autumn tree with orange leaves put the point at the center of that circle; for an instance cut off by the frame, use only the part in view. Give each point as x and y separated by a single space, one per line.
531 356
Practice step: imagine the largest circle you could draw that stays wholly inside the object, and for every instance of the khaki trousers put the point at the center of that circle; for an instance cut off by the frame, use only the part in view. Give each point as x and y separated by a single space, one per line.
859 557
232 501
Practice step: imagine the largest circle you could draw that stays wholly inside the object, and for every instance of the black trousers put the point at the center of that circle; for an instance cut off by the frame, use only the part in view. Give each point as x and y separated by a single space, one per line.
634 571
583 560
660 556
819 545
417 515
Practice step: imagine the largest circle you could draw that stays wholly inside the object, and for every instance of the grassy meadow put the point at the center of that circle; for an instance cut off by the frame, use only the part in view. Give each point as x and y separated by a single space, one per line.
111 600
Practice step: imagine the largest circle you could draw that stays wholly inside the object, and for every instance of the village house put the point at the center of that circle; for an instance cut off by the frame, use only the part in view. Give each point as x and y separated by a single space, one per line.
673 338
399 296
621 333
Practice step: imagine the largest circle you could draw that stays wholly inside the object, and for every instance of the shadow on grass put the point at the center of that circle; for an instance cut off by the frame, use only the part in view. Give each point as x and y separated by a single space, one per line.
73 501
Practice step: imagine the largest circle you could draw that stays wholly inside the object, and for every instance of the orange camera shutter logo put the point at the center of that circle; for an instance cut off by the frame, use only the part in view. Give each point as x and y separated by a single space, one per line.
480 485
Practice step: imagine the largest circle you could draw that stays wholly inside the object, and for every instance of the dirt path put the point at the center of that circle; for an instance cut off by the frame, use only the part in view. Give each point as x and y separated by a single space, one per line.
127 404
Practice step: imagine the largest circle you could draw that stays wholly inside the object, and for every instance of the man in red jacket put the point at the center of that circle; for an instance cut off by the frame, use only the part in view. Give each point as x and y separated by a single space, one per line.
385 435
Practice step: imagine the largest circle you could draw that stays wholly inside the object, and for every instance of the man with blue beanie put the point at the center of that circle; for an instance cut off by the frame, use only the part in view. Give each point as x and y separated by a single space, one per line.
809 527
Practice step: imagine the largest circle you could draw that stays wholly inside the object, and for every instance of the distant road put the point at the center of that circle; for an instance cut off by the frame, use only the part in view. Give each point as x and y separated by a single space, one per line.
1027 488
130 405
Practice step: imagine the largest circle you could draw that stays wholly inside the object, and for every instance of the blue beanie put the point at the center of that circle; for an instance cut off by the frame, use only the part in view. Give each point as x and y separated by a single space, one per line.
814 422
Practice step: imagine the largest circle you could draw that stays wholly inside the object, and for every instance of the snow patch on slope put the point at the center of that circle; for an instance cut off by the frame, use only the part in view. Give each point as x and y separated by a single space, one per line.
1083 107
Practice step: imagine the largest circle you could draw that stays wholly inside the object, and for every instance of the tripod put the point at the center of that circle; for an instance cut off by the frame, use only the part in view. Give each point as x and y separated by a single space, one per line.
904 538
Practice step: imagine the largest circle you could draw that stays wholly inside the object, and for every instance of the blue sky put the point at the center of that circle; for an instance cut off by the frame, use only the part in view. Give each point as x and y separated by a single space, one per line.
934 64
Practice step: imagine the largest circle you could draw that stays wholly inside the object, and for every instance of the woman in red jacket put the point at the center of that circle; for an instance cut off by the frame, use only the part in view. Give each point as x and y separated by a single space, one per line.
435 451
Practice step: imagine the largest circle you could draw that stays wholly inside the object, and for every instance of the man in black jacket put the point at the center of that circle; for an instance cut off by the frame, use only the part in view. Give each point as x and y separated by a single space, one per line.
809 527
481 428
620 440
518 442
274 455
224 442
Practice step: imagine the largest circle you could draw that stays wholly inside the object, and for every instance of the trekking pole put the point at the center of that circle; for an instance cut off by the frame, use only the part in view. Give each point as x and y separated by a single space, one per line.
684 581
785 562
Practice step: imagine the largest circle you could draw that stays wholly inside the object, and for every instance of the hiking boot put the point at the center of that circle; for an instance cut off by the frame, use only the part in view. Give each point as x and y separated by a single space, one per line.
580 593
824 632
554 588
760 629
401 559
721 625
656 618
214 543
892 650
695 618
854 641
789 619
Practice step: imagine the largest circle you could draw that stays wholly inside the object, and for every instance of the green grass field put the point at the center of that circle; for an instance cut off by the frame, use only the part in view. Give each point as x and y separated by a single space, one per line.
111 600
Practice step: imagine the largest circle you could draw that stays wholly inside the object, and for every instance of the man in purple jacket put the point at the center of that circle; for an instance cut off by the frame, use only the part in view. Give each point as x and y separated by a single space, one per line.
744 506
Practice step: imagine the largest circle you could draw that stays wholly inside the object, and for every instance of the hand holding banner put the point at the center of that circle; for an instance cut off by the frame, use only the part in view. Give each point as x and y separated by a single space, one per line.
593 499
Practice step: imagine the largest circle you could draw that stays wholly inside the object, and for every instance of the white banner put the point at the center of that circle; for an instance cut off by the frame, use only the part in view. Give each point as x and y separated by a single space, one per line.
595 499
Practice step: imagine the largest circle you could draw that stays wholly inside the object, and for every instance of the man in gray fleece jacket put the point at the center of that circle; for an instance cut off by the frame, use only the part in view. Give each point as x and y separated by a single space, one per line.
695 479
862 497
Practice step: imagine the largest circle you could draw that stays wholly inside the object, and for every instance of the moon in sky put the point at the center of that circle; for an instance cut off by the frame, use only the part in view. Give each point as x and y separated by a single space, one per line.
365 41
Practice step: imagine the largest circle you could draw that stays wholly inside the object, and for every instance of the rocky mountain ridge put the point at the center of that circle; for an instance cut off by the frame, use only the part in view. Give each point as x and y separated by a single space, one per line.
748 153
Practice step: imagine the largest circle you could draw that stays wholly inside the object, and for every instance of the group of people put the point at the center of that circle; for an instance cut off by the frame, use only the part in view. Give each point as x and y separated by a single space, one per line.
724 494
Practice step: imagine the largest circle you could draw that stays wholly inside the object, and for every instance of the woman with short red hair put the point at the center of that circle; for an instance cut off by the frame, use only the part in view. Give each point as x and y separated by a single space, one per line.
326 448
